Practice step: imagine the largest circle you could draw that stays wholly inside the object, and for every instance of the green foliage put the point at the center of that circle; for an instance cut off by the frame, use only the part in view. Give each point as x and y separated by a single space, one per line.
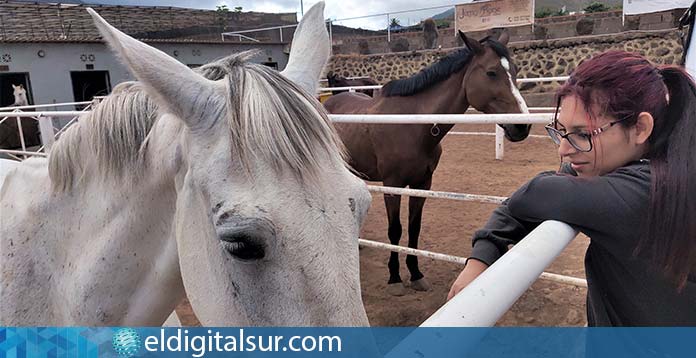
237 9
394 22
545 12
442 23
222 9
596 6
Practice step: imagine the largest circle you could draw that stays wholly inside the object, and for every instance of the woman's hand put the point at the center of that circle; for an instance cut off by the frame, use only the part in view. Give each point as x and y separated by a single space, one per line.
472 270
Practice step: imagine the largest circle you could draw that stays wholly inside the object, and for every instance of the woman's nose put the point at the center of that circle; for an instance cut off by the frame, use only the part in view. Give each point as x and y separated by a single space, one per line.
565 149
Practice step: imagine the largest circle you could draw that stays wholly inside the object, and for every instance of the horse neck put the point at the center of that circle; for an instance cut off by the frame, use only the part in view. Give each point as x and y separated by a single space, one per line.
109 222
445 97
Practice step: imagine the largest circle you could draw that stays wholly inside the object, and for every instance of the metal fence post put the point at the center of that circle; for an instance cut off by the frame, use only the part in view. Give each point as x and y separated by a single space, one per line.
47 133
499 142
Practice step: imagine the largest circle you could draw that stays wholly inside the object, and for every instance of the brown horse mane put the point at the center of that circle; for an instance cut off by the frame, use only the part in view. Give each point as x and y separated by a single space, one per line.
439 71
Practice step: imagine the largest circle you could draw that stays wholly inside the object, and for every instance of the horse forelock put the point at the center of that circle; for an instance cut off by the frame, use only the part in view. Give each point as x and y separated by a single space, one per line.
273 120
499 49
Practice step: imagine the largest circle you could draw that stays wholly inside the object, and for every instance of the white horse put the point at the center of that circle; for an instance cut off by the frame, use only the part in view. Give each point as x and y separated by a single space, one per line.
240 194
20 96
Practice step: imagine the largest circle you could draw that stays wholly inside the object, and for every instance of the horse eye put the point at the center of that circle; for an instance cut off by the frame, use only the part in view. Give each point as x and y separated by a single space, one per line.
243 247
491 74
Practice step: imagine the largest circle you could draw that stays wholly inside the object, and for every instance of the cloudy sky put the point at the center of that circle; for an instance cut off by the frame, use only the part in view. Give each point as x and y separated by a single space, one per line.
335 9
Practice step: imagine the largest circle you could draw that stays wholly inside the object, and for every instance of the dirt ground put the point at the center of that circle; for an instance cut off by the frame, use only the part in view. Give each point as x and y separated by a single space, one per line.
467 166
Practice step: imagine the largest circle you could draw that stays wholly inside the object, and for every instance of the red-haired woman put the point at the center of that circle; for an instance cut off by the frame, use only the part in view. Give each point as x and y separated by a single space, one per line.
626 132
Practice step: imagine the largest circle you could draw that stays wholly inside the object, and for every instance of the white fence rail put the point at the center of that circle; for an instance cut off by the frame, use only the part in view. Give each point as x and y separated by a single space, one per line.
492 294
508 118
519 80
45 120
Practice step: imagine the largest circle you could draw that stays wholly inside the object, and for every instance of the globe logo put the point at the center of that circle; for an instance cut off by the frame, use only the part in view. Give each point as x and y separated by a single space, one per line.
126 342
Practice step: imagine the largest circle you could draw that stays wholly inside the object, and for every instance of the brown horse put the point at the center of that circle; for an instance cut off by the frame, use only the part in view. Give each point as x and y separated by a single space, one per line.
338 81
481 75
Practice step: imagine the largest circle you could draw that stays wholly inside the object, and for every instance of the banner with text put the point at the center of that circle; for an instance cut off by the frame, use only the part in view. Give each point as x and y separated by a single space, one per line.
484 15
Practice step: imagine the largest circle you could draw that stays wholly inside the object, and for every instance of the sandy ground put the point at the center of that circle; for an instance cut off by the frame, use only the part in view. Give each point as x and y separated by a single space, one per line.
467 166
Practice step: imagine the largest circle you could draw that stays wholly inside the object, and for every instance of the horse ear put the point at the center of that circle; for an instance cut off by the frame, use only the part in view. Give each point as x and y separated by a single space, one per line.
504 38
174 86
310 50
473 45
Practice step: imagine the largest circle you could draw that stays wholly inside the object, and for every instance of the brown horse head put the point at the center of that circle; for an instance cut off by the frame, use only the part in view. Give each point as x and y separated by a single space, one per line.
489 83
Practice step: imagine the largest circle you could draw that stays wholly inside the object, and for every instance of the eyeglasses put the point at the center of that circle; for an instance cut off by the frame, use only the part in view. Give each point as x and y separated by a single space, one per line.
582 141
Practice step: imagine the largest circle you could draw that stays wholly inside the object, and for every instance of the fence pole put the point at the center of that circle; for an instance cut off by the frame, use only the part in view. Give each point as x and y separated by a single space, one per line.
21 134
499 142
388 29
47 133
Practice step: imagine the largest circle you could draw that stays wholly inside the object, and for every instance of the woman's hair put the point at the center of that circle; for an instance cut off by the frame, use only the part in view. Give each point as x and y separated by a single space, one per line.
622 85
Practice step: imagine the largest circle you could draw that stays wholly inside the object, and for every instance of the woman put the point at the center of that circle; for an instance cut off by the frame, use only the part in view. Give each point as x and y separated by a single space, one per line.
627 140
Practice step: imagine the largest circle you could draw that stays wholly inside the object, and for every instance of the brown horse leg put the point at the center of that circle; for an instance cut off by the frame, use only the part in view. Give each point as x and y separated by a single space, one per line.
393 203
415 214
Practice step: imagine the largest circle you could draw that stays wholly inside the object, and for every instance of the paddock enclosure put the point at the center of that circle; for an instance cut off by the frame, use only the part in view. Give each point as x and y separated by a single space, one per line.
467 166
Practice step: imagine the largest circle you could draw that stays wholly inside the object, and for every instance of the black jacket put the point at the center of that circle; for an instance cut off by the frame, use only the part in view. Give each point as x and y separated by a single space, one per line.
623 290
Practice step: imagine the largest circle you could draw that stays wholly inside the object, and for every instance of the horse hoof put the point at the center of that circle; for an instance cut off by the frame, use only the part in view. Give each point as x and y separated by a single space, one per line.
396 289
420 285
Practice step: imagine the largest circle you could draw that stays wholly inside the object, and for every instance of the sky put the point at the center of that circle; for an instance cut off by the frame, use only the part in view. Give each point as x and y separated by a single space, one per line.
335 9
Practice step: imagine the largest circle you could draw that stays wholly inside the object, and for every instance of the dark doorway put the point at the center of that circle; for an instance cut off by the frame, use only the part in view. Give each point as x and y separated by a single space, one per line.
6 91
273 65
87 84
9 132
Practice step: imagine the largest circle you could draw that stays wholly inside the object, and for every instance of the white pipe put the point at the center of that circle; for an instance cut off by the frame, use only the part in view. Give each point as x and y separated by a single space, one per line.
543 79
45 105
511 118
348 78
568 280
47 132
492 134
492 294
414 252
21 134
42 114
22 152
519 80
488 199
348 88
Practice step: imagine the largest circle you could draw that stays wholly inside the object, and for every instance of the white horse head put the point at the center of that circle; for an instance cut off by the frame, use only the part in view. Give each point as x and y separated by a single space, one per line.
20 95
246 174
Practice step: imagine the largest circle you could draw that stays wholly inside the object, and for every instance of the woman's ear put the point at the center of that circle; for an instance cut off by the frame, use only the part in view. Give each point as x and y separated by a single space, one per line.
644 127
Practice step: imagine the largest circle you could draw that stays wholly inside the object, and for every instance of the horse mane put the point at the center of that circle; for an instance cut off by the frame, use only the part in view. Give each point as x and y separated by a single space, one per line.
270 118
439 71
114 131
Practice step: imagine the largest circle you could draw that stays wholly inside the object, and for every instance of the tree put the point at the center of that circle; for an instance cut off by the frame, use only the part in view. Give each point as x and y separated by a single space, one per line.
544 12
237 9
596 6
222 12
395 23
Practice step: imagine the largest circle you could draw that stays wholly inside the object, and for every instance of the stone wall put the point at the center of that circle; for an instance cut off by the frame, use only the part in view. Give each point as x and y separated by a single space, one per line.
533 59
559 27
